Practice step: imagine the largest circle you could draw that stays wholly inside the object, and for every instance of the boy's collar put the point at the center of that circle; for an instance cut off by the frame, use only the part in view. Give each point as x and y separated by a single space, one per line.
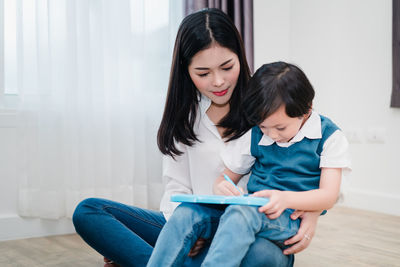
311 129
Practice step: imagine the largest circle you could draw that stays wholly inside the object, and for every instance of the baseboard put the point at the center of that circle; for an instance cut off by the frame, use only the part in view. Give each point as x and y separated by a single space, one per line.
14 227
372 201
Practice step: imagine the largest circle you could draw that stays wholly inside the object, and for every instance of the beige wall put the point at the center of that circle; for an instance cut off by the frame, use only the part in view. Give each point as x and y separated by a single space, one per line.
345 49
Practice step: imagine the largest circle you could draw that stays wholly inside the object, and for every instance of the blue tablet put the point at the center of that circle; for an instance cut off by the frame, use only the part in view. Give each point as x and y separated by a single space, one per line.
218 199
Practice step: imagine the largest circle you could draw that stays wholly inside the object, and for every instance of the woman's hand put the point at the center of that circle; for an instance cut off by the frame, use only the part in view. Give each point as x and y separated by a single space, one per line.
200 243
306 231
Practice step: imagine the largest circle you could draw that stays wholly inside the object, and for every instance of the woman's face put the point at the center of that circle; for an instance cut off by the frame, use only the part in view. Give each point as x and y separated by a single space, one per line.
215 71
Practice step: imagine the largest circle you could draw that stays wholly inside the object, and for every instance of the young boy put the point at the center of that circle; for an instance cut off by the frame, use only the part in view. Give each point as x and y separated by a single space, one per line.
295 157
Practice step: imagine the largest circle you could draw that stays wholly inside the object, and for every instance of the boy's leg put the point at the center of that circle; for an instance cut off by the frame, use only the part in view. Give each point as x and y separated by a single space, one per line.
234 236
279 229
186 225
236 232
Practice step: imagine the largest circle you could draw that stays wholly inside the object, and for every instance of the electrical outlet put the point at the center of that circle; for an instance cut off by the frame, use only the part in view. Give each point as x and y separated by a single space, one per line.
354 135
376 135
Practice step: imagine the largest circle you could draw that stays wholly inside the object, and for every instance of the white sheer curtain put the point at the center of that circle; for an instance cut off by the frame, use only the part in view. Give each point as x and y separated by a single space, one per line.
92 76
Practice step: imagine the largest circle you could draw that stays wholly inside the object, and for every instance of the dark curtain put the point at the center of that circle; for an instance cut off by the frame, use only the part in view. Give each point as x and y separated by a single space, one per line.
241 13
395 101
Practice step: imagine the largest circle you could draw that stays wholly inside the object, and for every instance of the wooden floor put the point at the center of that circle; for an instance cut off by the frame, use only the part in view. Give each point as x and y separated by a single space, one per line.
345 237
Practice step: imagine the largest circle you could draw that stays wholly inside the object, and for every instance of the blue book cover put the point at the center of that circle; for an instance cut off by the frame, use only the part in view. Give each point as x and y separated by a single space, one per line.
219 199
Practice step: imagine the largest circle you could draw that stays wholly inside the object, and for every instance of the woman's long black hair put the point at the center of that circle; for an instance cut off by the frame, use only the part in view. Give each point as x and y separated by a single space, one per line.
198 31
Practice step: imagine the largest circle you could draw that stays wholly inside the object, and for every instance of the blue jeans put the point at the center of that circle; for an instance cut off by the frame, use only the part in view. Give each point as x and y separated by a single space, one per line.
121 233
192 221
237 230
127 235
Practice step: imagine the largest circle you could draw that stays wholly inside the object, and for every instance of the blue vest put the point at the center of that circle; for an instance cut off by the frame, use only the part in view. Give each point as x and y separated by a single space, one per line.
293 168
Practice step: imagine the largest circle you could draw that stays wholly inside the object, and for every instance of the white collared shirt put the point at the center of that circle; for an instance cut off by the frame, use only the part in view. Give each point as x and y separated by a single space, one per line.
195 171
237 156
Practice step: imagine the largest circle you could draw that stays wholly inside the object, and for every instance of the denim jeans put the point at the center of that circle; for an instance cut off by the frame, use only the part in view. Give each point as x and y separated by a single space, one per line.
237 230
192 221
121 233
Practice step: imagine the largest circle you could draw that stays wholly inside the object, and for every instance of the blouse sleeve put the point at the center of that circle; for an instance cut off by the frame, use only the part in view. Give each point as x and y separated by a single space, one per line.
237 156
176 180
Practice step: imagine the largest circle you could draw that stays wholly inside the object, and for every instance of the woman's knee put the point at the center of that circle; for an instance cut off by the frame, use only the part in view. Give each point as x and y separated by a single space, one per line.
84 208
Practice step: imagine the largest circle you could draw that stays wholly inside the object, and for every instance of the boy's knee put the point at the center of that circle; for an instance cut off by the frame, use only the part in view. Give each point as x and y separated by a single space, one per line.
241 214
189 211
245 211
247 218
184 209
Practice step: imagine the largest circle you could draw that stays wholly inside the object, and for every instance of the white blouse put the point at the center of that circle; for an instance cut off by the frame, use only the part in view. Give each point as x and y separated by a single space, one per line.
195 171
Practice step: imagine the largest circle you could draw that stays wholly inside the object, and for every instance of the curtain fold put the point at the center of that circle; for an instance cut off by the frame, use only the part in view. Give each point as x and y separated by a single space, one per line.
2 58
92 78
241 13
395 99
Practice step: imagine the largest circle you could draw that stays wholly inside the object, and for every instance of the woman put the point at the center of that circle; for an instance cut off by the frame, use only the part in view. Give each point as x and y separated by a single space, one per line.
208 75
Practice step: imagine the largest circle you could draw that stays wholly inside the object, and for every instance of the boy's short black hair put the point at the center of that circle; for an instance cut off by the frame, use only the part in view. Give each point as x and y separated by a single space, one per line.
277 84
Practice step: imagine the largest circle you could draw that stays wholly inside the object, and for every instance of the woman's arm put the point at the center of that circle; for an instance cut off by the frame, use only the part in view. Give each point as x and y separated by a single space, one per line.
176 179
302 239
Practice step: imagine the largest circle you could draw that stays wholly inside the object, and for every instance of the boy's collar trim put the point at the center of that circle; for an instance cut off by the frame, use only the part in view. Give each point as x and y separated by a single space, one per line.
311 129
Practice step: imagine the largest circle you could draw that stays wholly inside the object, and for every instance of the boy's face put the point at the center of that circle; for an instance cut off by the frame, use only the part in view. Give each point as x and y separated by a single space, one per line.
280 127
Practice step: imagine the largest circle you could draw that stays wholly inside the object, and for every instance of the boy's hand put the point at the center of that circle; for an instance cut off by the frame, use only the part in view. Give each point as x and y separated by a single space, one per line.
225 188
276 205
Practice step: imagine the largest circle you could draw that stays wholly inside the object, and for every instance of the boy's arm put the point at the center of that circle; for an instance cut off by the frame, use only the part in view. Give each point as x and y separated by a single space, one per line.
319 199
223 187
